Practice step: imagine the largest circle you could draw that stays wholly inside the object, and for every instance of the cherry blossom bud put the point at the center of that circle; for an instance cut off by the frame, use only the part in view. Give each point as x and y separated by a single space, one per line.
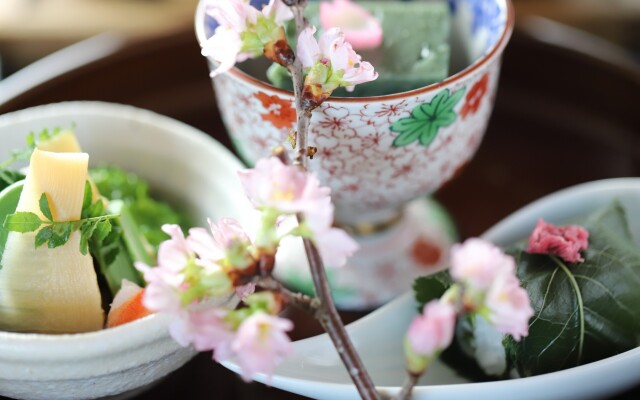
429 334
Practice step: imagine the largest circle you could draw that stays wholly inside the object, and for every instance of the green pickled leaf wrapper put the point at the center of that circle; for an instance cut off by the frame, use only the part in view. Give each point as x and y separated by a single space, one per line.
583 312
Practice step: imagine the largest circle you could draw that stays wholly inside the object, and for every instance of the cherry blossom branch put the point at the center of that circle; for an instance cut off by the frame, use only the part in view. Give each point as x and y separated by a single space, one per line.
327 315
332 324
303 114
323 309
306 303
407 387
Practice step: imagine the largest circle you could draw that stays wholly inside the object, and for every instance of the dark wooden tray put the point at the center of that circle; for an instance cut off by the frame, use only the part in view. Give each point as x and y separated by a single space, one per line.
561 118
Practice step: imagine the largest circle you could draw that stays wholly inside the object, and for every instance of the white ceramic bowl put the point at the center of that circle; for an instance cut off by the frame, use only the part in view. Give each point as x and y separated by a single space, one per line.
183 165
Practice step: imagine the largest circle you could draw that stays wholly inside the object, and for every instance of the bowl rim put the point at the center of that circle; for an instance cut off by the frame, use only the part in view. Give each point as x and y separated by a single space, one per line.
494 53
55 347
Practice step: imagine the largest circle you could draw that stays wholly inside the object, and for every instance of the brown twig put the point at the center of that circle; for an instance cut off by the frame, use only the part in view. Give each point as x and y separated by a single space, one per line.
407 387
326 313
332 323
303 114
306 303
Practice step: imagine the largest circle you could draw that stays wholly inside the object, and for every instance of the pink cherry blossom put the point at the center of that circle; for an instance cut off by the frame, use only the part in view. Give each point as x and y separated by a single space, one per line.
564 241
433 330
361 29
308 49
205 329
261 343
334 245
204 245
286 188
174 253
233 14
226 241
225 48
277 11
162 291
165 279
346 67
476 263
228 232
237 20
509 306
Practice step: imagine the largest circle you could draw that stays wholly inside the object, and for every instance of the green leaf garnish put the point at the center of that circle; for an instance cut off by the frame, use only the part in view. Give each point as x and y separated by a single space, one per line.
144 213
44 235
45 209
22 222
57 233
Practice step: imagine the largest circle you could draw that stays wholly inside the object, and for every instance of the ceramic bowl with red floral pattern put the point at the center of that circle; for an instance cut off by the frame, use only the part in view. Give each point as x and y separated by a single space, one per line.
378 154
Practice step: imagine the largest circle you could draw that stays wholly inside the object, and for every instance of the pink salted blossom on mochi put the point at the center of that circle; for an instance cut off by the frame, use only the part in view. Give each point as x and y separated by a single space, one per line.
286 188
333 51
360 27
433 330
477 262
509 306
565 242
261 343
165 279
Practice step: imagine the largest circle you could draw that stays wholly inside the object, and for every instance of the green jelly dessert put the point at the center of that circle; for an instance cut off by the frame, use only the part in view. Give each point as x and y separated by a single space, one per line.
415 50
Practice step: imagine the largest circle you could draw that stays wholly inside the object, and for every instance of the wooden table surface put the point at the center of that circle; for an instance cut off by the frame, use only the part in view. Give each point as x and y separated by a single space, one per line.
561 118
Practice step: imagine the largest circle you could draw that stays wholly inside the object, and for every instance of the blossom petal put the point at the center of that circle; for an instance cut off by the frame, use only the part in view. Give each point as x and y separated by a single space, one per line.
335 246
278 11
433 330
477 263
261 343
509 306
308 50
232 14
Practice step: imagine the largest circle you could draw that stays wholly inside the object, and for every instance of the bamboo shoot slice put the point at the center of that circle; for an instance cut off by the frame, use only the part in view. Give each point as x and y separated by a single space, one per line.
63 142
50 290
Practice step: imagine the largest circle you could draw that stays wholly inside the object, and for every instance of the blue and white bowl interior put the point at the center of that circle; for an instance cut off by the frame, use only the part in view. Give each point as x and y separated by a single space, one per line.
477 26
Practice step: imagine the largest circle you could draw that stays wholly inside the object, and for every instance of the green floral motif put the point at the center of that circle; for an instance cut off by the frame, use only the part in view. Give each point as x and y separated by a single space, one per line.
427 119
